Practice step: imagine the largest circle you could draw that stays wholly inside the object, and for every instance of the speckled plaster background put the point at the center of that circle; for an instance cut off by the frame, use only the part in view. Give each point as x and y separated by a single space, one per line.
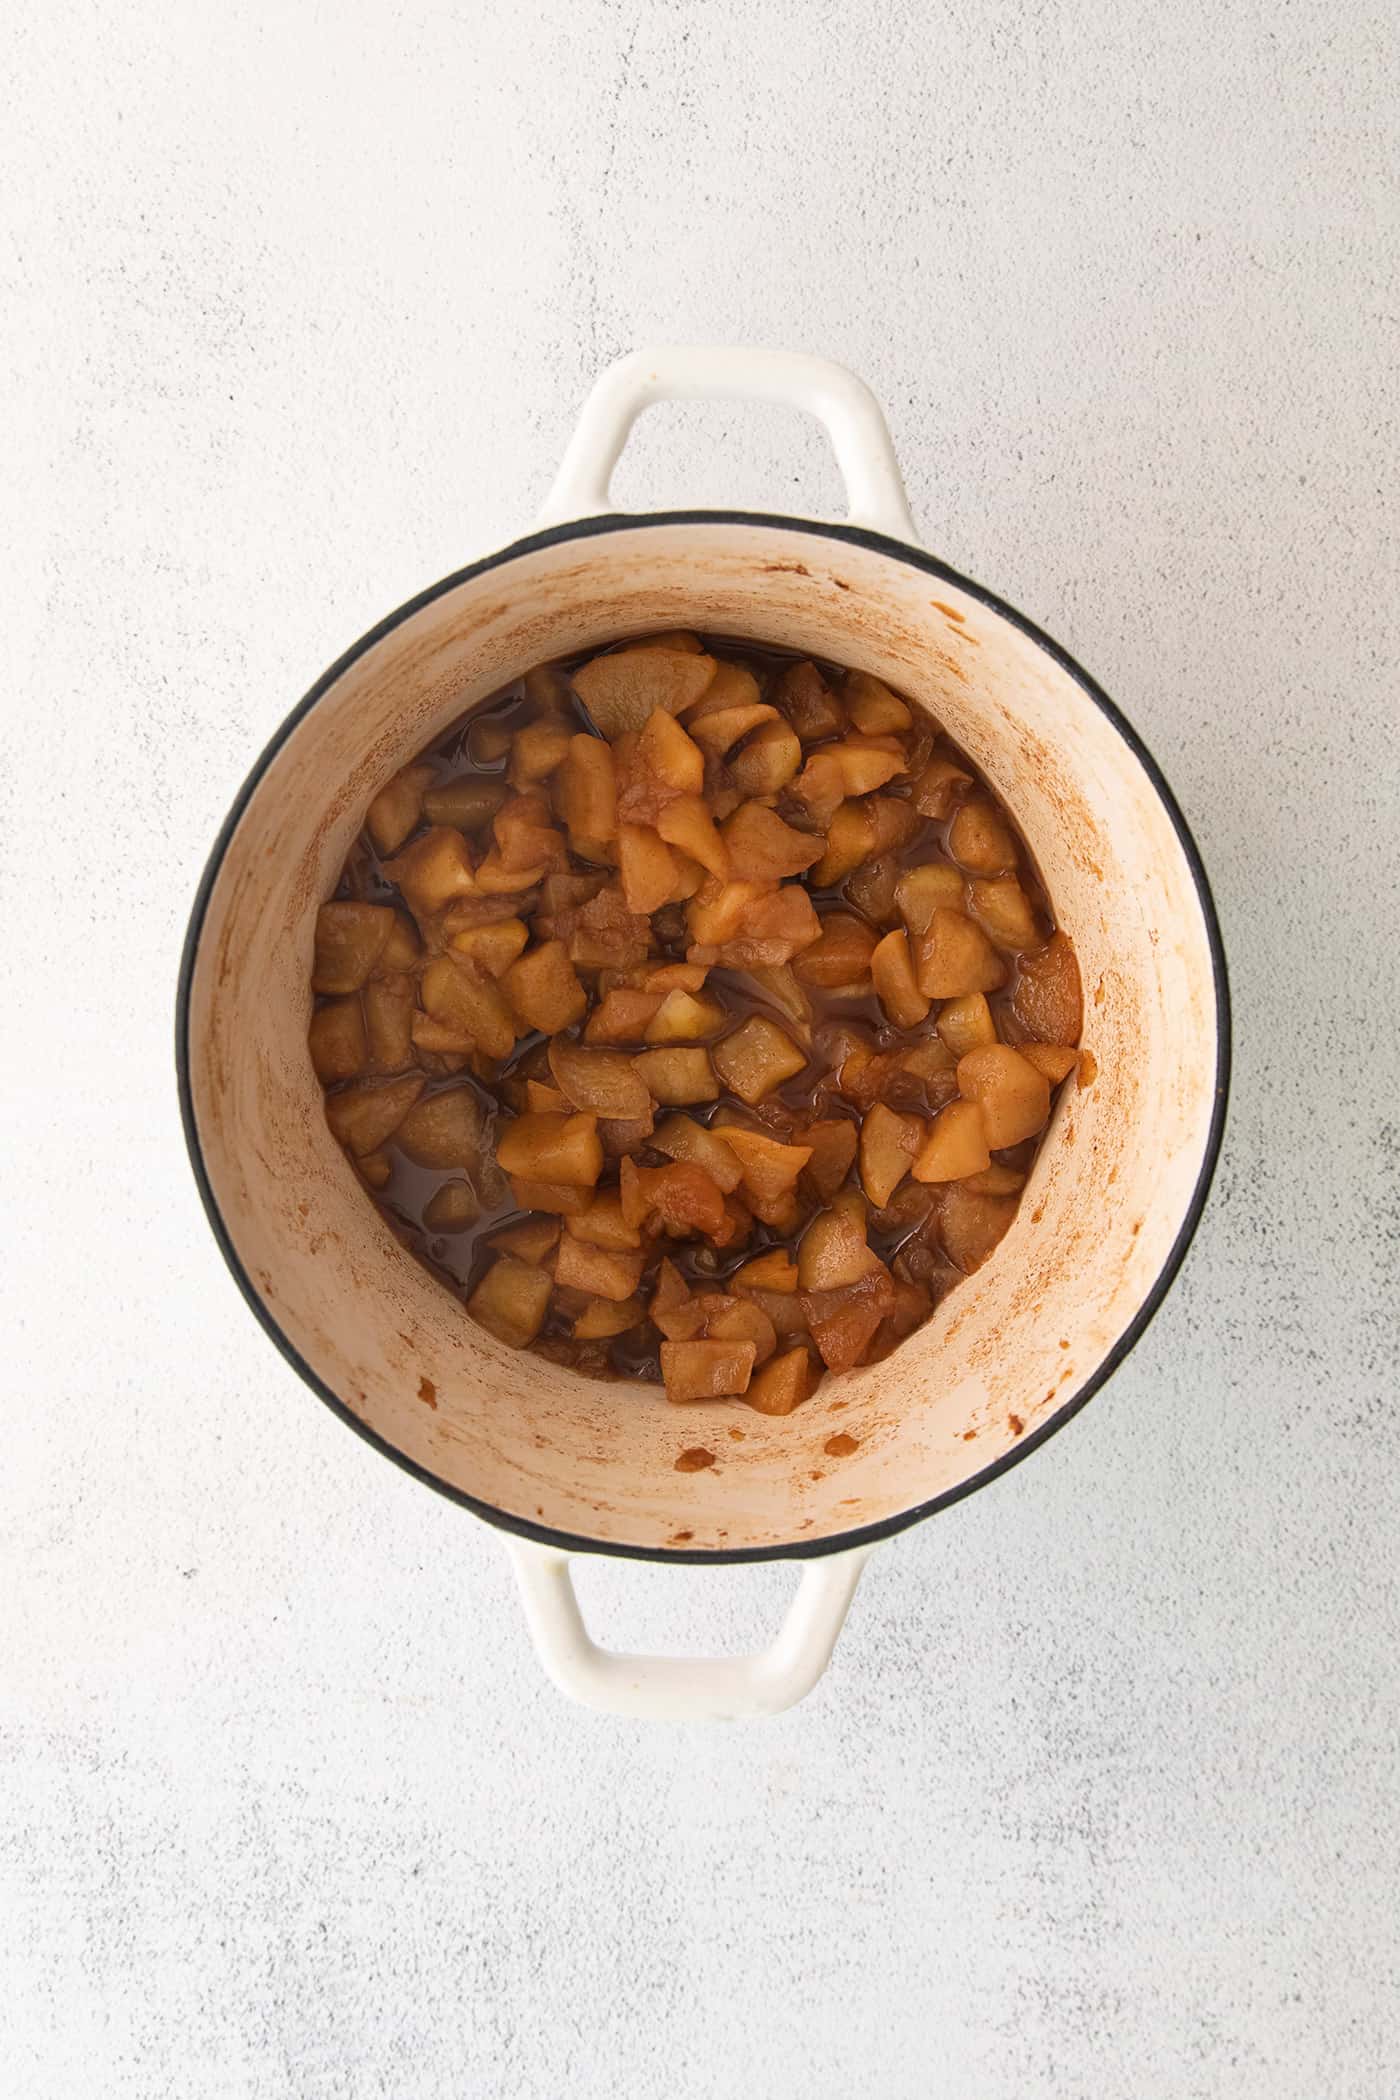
1099 1797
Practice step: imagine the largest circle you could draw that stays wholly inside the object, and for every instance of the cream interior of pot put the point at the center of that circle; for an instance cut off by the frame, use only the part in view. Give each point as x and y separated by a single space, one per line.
1007 1348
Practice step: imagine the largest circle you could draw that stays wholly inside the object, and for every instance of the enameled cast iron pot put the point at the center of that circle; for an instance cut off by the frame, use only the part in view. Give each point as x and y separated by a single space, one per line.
563 1464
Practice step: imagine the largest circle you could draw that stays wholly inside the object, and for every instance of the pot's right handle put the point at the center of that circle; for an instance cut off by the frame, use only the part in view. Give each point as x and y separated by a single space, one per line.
685 1688
844 404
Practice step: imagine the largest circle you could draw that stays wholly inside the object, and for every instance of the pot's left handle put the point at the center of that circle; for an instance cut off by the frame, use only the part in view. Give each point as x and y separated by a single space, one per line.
842 403
684 1688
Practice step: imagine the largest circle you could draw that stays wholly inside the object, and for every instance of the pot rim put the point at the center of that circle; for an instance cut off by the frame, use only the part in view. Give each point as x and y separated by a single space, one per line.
929 565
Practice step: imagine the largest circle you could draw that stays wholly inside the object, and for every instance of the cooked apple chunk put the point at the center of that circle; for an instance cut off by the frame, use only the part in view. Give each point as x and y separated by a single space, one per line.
552 1149
783 1384
756 1058
544 990
769 759
768 1167
452 1208
685 1017
337 1040
531 1239
432 871
834 1251
874 709
1013 1096
364 1116
706 1370
889 1143
681 1137
397 808
467 804
953 957
762 848
600 1318
604 1272
980 839
511 1300
621 689
350 939
841 955
956 1145
457 992
677 1078
1048 1000
896 987
1055 1060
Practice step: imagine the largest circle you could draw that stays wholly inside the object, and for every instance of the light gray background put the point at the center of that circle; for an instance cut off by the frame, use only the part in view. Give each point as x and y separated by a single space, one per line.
1099 1796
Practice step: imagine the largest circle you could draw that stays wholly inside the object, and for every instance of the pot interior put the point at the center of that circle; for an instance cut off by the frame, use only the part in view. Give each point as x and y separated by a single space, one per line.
1009 1349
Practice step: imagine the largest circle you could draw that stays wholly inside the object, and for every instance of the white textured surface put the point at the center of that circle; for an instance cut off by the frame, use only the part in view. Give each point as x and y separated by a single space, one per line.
1099 1796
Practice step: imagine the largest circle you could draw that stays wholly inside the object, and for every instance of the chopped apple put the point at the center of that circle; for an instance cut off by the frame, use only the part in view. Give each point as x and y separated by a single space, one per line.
953 957
980 839
603 1224
337 1041
1055 1060
669 756
681 1137
730 1319
446 1129
896 987
995 1180
452 1208
762 848
603 1272
971 1226
840 956
783 1384
553 1196
719 728
1013 1096
397 808
833 1250
774 1271
457 992
867 763
938 786
511 1300
1048 1000
584 789
1004 912
537 750
350 939
363 1116
874 709
809 703
544 990
600 1320
377 1169
832 1141
553 1149
532 1239
843 1321
706 1370
434 870
467 804
756 1058
677 1077
494 947
768 1167
685 1017
546 1100
966 1024
956 1145
603 1081
620 690
922 891
889 1144
388 1009
770 758
621 1016
687 824
647 867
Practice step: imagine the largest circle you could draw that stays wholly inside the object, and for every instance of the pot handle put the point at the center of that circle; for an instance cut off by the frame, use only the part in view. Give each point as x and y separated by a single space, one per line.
685 1688
844 404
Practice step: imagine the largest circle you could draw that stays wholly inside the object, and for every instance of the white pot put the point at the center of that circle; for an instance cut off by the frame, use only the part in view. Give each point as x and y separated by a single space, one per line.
564 1464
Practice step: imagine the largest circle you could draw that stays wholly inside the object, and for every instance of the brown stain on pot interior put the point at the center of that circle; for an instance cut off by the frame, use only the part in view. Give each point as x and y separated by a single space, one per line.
695 1460
427 1393
841 1445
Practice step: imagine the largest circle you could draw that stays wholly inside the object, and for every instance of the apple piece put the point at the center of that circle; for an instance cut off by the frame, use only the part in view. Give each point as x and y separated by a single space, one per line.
676 1077
681 1137
603 1272
493 947
600 1320
995 1180
896 987
685 1017
784 1383
603 1224
552 1149
756 1058
850 837
1013 1096
937 789
922 891
557 1197
833 1251
446 1129
584 790
377 1169
363 1116
956 1145
1005 913
706 1370
397 808
1055 1060
952 957
971 1226
511 1301
605 935
770 758
840 956
732 686
337 1041
832 1140
457 992
966 1024
889 1144
603 1081
544 990
389 1007
622 1016
719 728
350 939
1049 1000
452 1208
980 839
762 848
467 804
532 1238
843 1321
537 750
768 1167
867 763
546 1100
619 1135
875 710
731 1319
647 867
621 689
433 871
686 823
